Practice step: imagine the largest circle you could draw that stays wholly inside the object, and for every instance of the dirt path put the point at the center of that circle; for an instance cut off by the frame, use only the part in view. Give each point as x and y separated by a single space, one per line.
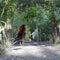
32 52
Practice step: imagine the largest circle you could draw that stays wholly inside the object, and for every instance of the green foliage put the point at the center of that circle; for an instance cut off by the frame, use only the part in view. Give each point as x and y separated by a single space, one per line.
28 34
34 13
0 1
30 13
7 9
57 3
38 16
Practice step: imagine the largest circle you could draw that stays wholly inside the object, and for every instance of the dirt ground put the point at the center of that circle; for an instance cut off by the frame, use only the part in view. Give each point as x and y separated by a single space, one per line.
34 51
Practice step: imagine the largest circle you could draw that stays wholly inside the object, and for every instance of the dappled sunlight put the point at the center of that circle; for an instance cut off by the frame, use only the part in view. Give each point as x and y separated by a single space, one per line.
25 50
37 51
33 52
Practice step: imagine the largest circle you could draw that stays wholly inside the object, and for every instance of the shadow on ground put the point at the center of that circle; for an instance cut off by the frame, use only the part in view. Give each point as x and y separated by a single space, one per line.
32 51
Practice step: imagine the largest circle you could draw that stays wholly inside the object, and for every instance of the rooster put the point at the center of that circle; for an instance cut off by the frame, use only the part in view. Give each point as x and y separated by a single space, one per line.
21 34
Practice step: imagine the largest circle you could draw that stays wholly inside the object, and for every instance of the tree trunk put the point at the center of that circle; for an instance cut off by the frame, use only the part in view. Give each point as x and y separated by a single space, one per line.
55 31
8 29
